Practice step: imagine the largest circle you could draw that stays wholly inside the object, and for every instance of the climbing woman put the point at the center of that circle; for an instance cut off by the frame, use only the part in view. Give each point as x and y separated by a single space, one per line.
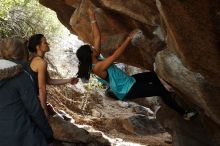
125 87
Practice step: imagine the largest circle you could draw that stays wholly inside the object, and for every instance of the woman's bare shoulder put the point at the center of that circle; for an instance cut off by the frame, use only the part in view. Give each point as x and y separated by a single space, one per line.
38 63
98 66
39 60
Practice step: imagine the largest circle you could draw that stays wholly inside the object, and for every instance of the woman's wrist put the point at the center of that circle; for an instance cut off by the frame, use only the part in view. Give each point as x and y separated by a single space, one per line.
93 21
129 38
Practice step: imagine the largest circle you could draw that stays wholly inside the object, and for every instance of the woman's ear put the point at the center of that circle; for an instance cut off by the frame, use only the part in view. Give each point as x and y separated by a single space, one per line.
37 47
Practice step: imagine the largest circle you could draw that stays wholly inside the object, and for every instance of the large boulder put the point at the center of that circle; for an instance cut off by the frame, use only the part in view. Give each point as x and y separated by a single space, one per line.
67 134
197 93
115 22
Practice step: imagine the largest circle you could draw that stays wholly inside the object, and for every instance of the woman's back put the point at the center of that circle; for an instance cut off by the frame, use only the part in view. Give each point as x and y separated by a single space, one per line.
119 82
34 65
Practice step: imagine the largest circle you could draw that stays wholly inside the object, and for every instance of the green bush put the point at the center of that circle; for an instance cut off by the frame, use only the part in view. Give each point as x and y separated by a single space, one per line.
26 17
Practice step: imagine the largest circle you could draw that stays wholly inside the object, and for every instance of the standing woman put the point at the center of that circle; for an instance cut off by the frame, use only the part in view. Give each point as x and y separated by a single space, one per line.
125 87
22 119
38 45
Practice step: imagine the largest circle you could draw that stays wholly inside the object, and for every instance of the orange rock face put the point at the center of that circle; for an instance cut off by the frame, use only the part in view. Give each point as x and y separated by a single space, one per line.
115 20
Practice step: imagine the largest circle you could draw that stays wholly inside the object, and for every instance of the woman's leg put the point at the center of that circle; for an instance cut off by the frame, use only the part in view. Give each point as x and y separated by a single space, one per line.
153 87
171 102
145 76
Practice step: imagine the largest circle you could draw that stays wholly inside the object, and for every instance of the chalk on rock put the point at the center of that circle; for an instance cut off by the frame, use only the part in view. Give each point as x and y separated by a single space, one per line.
138 38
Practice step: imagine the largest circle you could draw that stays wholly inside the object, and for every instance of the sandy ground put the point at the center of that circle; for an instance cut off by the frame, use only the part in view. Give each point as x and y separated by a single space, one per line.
95 112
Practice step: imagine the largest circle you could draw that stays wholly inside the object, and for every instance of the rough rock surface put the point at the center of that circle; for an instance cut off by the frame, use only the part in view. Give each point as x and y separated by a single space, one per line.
188 31
67 134
116 124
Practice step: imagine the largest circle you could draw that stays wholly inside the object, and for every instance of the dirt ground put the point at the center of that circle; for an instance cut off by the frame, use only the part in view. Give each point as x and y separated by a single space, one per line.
95 112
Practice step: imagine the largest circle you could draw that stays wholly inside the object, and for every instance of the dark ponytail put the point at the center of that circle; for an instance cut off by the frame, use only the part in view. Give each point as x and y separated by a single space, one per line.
84 55
34 41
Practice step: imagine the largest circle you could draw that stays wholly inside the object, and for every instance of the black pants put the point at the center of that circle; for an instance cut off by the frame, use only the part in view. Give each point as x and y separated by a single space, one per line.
147 84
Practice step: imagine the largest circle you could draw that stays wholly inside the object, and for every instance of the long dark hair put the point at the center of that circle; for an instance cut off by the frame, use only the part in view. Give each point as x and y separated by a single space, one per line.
84 55
34 40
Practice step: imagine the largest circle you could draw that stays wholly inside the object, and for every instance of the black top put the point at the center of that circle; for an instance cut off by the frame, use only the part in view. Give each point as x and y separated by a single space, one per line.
35 76
35 80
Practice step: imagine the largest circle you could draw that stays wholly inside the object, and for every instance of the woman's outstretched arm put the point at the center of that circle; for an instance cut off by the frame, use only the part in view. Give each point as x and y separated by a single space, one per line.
95 32
103 65
61 81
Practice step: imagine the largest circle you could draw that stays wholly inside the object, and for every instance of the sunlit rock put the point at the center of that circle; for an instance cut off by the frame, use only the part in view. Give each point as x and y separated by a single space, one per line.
67 134
141 125
66 131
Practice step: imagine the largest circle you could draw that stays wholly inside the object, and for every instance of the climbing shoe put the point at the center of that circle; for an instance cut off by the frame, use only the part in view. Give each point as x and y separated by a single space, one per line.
138 38
190 115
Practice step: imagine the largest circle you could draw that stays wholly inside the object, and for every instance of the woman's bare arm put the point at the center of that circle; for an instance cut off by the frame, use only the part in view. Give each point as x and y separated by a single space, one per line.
41 69
103 65
95 32
61 81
